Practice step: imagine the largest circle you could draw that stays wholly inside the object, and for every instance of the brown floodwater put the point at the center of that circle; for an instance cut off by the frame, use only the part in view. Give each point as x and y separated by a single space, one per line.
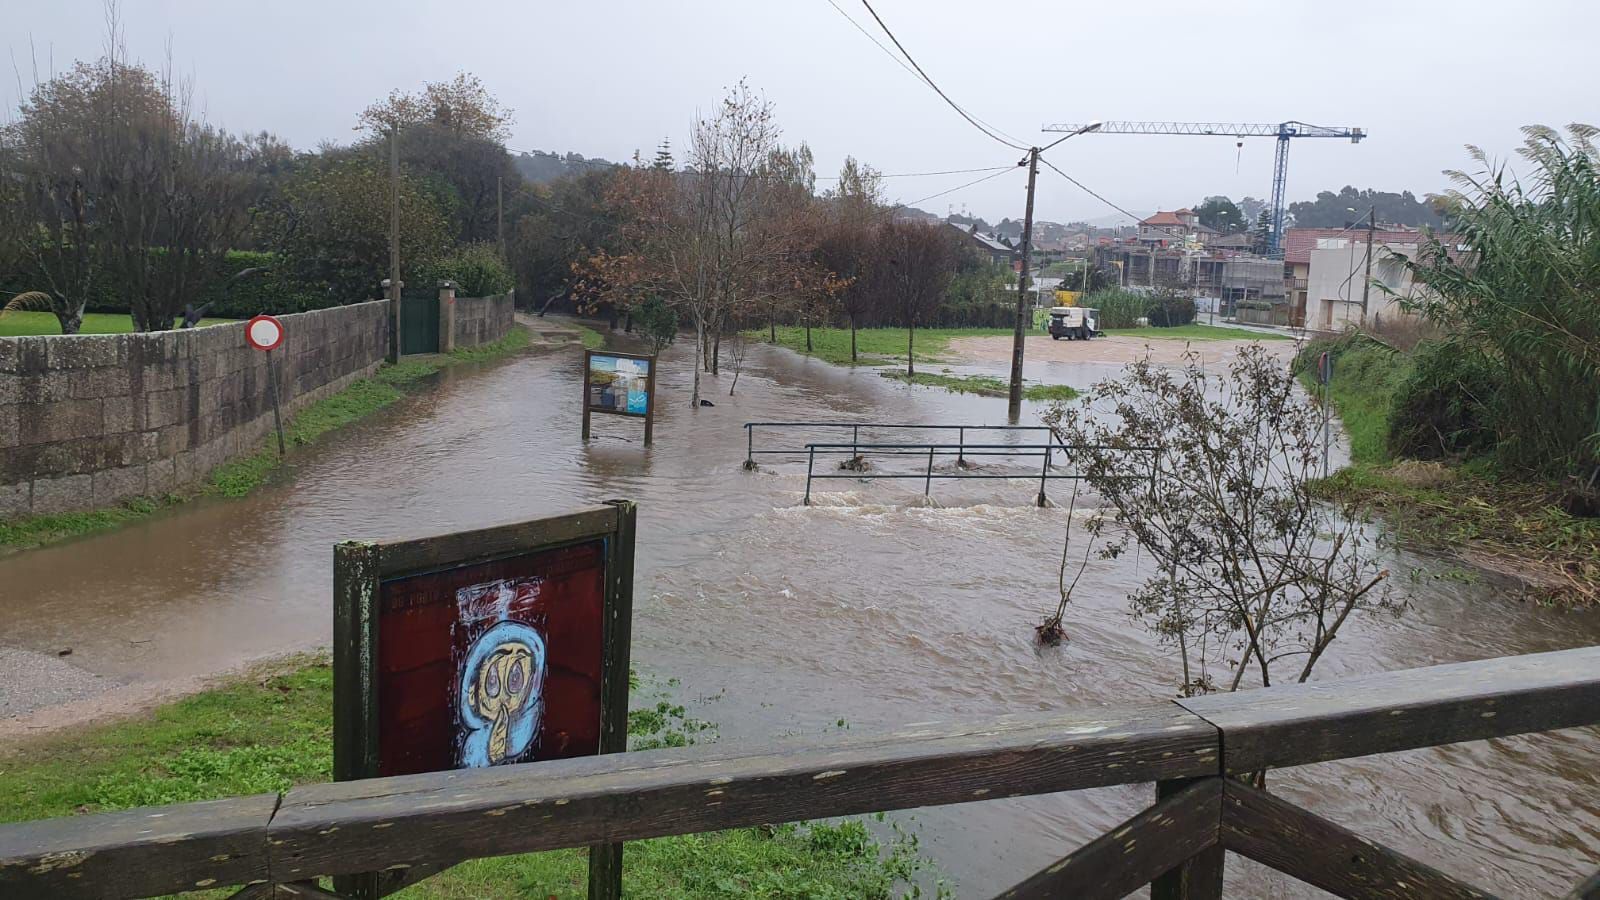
872 607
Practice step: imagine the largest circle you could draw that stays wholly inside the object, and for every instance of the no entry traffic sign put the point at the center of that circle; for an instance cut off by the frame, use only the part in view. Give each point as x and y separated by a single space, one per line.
264 333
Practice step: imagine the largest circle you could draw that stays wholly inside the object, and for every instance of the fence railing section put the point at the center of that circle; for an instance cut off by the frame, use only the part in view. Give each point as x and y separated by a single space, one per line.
1034 441
1193 749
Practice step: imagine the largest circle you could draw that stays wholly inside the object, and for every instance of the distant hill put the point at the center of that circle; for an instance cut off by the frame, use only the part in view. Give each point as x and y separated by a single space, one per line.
541 168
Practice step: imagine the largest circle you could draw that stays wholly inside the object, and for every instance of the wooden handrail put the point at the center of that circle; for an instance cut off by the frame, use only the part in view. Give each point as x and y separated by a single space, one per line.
442 818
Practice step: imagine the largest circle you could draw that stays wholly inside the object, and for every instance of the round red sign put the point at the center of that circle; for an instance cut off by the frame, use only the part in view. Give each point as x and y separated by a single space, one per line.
264 332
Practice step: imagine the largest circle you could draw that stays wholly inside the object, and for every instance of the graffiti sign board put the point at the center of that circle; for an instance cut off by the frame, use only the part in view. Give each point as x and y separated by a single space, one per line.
621 384
484 648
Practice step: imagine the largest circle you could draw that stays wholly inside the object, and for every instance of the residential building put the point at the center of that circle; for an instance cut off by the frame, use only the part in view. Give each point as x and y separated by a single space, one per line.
1336 279
991 246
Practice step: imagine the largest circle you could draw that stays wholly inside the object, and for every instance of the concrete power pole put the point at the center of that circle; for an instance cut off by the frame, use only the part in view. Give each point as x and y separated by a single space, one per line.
394 243
1014 397
1366 283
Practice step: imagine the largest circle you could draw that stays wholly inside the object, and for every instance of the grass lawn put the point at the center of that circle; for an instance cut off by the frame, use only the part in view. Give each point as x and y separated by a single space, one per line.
984 385
873 345
1198 333
272 729
242 475
25 324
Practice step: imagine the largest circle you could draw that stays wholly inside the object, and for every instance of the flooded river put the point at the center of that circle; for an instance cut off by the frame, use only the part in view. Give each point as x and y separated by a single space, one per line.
870 608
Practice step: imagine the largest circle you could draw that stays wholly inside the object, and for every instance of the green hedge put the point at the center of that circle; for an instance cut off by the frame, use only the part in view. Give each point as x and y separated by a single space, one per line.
263 292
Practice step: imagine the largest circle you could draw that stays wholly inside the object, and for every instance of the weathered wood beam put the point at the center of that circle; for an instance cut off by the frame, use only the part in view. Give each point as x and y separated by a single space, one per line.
407 557
1279 834
1306 723
1131 855
449 816
1589 889
1200 876
139 852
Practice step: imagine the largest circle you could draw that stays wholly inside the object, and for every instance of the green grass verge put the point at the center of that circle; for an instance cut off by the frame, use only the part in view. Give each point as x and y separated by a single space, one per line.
1365 378
873 345
241 476
27 324
1198 332
591 339
984 385
272 729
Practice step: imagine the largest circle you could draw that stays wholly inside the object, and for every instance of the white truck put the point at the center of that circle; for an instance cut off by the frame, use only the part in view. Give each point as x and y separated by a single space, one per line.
1075 323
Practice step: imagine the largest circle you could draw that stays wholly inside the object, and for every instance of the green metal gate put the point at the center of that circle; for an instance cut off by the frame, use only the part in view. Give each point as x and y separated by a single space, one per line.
419 325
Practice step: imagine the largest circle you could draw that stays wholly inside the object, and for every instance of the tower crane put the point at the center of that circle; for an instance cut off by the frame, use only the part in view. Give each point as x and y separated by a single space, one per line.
1283 131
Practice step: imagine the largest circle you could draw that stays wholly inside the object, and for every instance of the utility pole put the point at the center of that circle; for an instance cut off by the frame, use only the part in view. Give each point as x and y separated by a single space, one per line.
1014 398
394 243
1366 282
500 215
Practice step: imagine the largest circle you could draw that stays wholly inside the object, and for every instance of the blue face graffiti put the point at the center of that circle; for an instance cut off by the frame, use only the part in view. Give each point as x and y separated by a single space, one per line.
500 695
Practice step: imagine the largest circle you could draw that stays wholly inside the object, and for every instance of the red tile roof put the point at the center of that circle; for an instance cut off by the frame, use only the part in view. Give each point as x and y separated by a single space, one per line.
1165 218
1299 242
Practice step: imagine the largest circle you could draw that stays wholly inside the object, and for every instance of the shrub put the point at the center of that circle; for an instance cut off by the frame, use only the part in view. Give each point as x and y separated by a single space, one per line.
476 269
1169 309
1442 408
1118 308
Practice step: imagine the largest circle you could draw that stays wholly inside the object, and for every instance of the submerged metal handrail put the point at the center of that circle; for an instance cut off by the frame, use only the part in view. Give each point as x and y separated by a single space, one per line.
855 433
1046 451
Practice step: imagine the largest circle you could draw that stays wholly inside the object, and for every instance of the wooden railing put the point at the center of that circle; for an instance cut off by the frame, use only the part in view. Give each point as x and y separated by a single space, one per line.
412 826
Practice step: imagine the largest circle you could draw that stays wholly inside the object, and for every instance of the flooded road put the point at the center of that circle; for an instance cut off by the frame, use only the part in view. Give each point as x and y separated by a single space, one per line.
870 608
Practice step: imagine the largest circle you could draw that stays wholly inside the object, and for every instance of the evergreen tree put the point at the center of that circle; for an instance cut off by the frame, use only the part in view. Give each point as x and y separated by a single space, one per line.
664 161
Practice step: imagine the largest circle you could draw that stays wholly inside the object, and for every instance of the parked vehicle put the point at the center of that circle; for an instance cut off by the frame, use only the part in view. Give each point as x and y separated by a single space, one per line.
1075 323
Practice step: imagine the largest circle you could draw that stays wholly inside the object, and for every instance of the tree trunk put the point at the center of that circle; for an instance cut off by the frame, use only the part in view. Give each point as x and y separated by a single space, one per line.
716 351
808 336
911 339
772 328
703 357
852 337
699 342
71 323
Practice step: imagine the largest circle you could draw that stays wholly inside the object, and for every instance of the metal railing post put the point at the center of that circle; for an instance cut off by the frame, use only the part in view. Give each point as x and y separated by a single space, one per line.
811 460
855 438
750 445
927 484
961 446
1044 473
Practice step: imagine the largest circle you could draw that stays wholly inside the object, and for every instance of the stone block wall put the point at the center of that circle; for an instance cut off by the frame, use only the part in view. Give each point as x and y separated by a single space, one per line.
90 420
483 320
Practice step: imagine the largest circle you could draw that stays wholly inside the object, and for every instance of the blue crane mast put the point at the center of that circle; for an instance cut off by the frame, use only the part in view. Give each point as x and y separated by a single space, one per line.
1283 131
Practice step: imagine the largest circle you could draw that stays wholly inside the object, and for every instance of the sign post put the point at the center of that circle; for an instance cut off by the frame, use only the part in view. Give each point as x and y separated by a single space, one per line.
266 333
1325 381
482 648
621 384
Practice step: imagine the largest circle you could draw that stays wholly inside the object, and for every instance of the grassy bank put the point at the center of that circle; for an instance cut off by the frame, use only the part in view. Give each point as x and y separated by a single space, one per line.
1197 332
589 337
1463 507
27 324
874 345
240 476
983 385
273 729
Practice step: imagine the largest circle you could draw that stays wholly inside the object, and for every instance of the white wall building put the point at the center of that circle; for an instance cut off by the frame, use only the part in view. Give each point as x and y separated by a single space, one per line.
1337 274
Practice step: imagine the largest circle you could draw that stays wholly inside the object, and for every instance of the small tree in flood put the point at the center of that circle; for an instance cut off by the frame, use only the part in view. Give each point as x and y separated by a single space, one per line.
1250 570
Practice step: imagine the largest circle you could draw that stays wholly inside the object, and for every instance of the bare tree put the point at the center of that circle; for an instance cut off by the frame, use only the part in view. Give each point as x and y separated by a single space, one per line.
710 240
737 347
912 268
854 212
1250 568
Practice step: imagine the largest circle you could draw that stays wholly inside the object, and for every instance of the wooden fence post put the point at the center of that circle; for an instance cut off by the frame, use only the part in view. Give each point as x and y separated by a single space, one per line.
1199 878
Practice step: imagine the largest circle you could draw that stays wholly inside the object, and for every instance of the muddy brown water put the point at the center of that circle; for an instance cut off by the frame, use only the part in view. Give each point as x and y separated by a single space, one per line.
871 607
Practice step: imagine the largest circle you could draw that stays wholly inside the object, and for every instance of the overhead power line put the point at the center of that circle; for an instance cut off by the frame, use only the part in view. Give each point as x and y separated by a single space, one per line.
936 89
958 187
921 174
1091 192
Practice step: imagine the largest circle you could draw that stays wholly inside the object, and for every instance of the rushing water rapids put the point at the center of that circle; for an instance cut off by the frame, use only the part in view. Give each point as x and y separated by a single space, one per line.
870 607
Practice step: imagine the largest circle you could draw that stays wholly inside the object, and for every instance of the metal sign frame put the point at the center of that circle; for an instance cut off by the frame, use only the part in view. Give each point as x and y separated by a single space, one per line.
649 415
359 569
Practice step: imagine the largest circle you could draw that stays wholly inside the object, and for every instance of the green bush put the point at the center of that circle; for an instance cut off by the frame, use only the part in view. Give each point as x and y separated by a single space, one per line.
1169 309
476 269
1443 407
1118 308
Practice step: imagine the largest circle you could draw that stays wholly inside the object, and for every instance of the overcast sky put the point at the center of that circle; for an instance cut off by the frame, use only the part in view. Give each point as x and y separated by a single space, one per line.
608 78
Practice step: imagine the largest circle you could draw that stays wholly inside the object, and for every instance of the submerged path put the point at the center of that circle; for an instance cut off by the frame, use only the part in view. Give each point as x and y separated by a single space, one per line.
866 610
